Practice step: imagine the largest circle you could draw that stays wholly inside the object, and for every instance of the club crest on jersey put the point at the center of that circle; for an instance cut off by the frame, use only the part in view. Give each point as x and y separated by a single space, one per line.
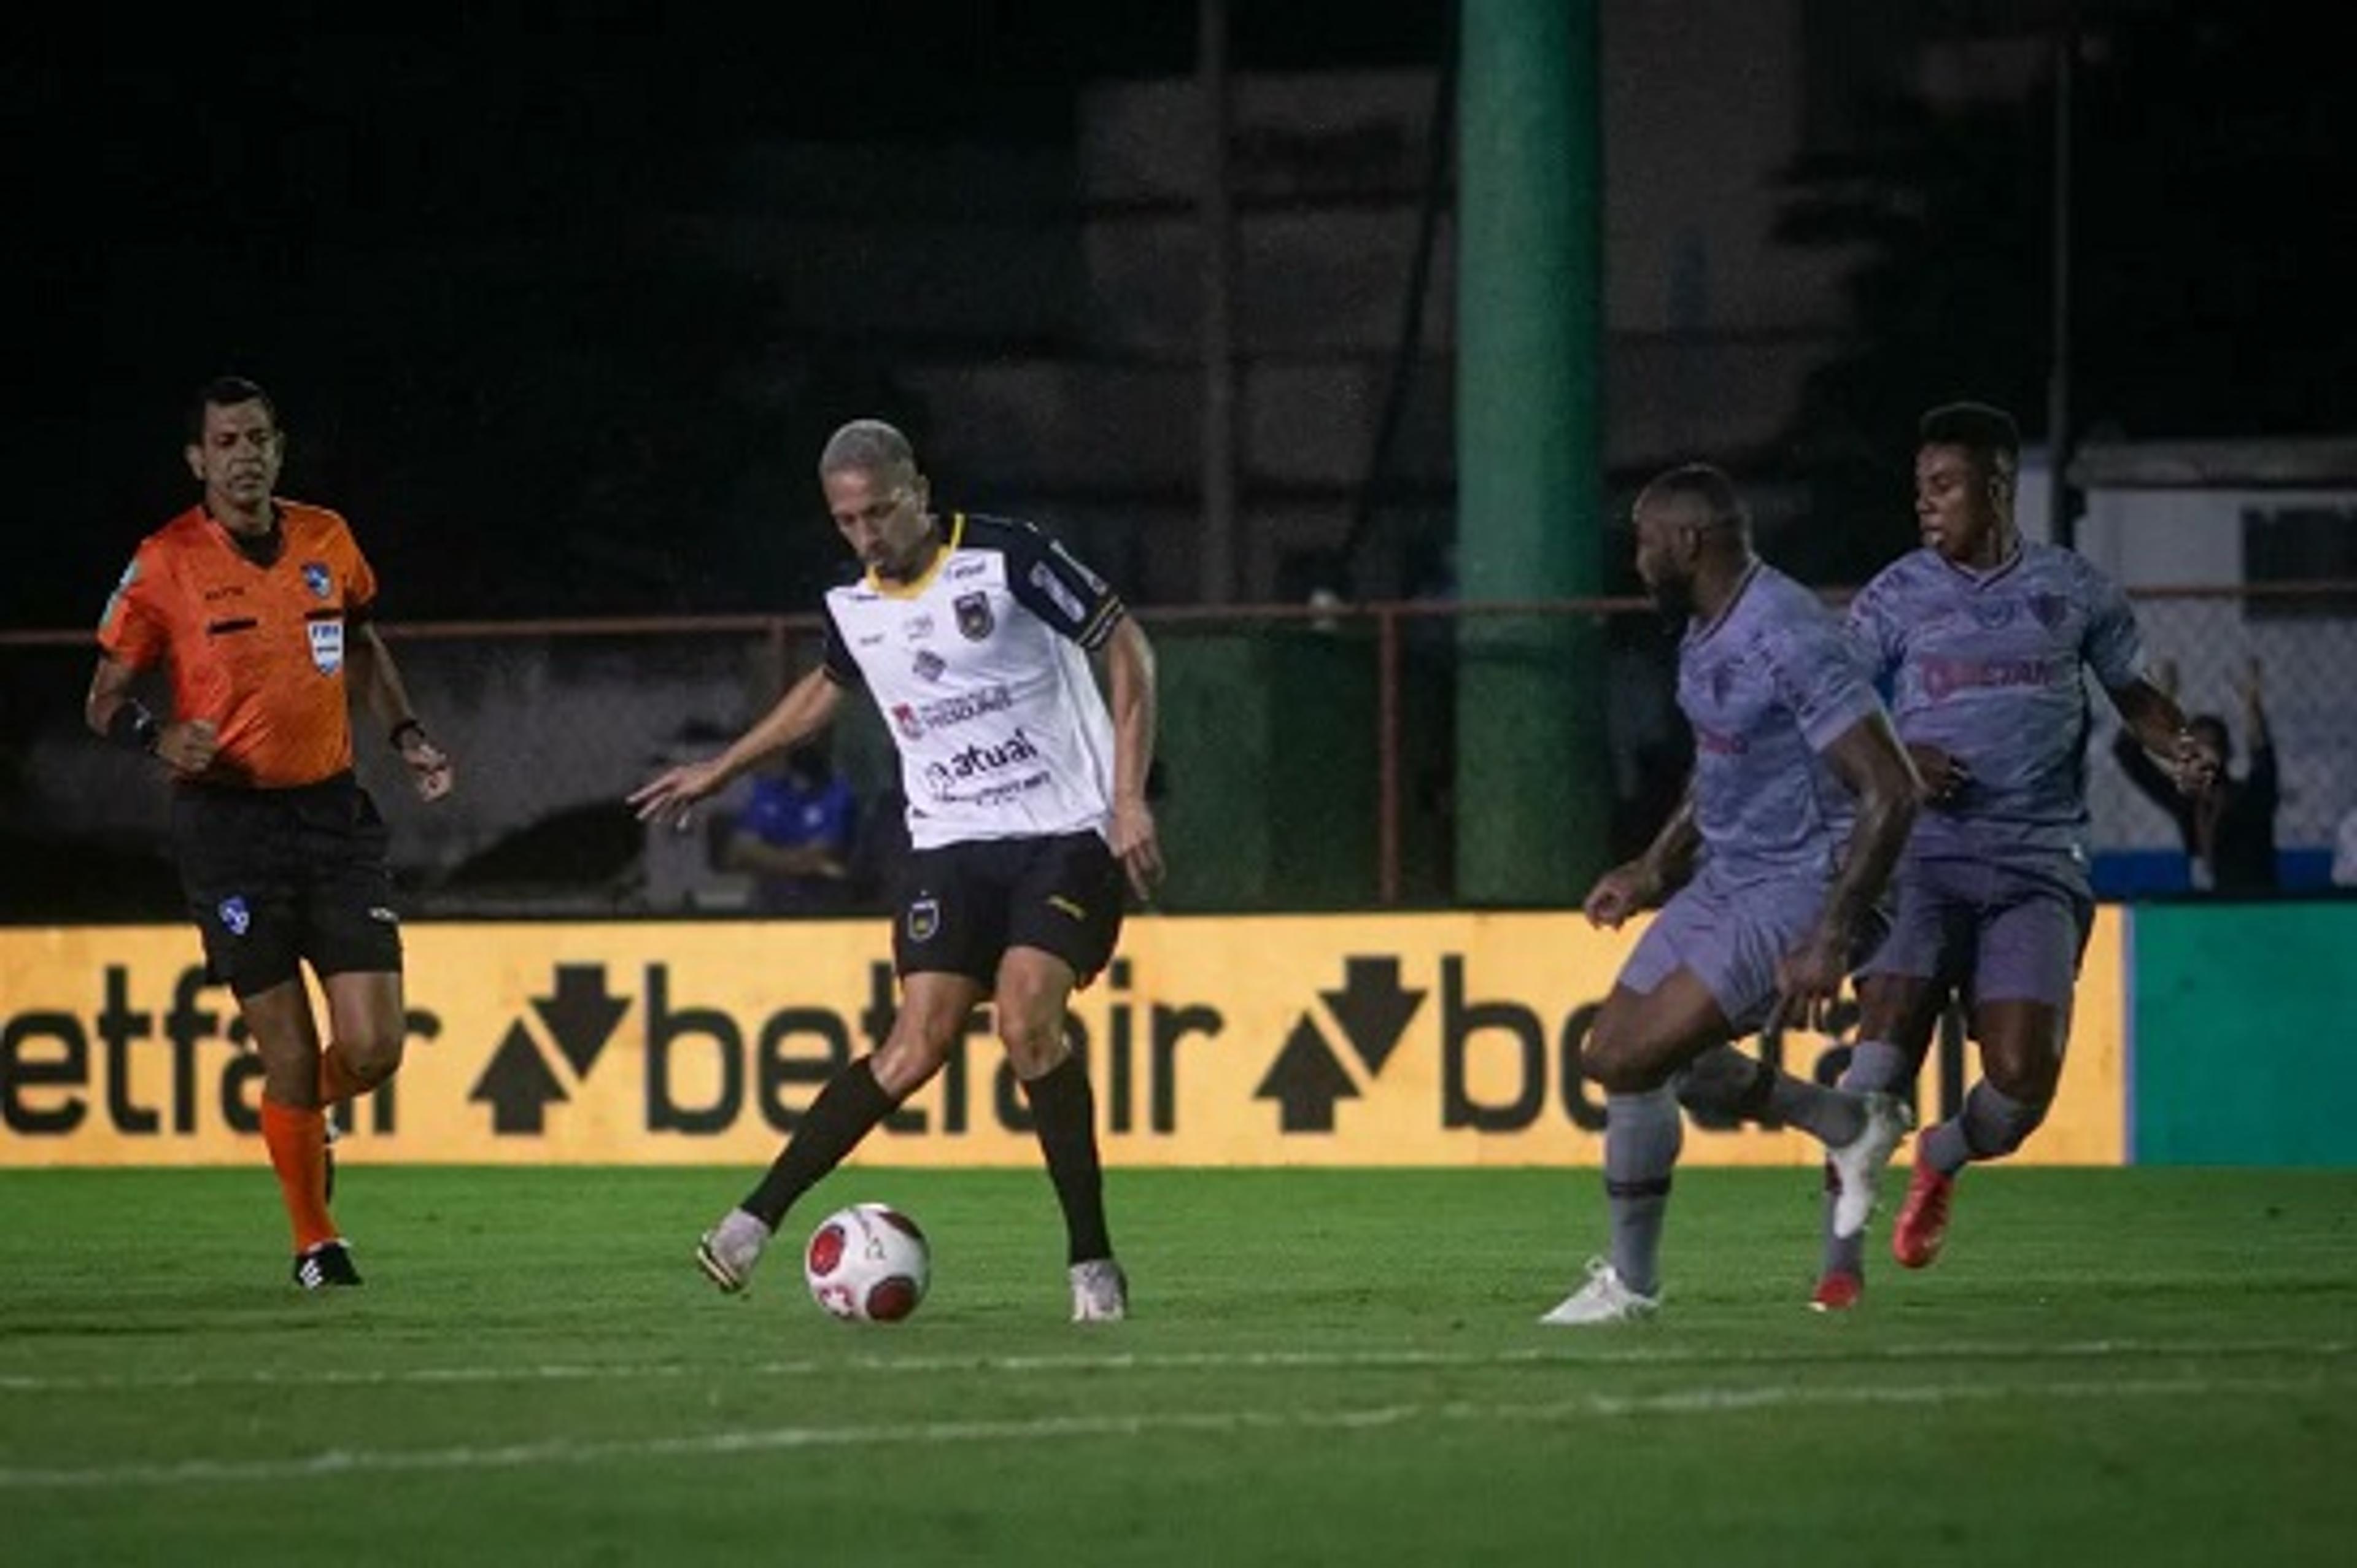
930 664
905 720
973 618
924 918
1993 613
316 578
235 918
327 644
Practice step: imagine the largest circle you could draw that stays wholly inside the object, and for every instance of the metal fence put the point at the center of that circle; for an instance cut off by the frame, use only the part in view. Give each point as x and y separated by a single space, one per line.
1308 753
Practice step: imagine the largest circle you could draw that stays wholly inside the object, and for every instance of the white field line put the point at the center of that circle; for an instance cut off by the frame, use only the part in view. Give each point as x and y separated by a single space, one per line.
2089 1350
1411 1417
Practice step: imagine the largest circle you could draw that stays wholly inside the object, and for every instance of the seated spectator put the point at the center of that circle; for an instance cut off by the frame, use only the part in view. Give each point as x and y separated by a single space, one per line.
2230 833
795 836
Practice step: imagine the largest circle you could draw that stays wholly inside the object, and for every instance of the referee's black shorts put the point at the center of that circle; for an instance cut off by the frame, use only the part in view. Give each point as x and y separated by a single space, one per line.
275 878
962 906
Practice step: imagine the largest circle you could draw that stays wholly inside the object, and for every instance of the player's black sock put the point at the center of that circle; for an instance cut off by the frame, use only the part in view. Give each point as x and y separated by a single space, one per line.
1642 1134
1064 1110
845 1109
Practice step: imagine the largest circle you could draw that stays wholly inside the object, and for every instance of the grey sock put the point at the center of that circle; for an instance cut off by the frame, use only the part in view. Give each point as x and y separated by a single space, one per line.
1991 1126
1643 1134
1875 1066
1726 1086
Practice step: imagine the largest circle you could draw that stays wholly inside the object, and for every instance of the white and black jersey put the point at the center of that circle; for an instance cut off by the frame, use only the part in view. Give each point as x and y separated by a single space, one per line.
980 669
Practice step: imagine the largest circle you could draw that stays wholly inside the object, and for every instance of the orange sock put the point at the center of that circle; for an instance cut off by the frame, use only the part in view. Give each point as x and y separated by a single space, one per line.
297 1140
337 1084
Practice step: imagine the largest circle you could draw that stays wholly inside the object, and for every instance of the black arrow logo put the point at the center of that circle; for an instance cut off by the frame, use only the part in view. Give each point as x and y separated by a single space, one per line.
1373 1008
517 1085
580 1016
1305 1081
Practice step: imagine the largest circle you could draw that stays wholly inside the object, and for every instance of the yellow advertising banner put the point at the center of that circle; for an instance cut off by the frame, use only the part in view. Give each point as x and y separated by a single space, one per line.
1433 1039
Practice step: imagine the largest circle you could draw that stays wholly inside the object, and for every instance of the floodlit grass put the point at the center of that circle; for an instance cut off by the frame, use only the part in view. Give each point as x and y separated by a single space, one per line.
1325 1368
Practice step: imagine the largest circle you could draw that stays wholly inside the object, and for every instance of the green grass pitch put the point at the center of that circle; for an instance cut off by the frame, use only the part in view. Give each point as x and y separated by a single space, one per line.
1324 1367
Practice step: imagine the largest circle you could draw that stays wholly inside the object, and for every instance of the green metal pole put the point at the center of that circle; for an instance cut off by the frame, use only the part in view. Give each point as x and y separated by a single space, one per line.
1533 795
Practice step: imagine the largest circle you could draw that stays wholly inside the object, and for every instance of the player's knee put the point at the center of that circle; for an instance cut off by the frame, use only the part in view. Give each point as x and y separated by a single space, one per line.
1616 1060
371 1055
1034 1045
906 1062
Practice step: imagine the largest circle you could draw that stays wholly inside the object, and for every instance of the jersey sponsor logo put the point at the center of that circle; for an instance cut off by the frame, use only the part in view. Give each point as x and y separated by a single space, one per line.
917 627
1944 677
905 720
235 918
974 620
1062 597
316 578
978 761
930 664
966 566
949 712
327 644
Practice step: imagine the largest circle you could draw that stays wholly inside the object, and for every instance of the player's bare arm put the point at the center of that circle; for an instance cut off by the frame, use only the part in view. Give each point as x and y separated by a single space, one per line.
376 680
808 707
1644 882
187 746
1129 674
2152 716
1869 760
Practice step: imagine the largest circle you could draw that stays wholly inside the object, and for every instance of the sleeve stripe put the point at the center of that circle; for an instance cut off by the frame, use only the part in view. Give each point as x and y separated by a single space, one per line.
1100 625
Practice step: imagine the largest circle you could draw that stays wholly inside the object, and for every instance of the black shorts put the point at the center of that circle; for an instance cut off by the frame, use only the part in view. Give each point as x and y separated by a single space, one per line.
277 877
962 906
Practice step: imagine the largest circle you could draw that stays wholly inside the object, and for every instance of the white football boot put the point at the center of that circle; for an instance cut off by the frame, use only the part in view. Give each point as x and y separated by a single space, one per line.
1100 1292
1857 1163
729 1250
1605 1298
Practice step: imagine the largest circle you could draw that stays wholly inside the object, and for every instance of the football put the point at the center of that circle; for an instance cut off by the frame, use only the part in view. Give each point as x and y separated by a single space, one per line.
867 1264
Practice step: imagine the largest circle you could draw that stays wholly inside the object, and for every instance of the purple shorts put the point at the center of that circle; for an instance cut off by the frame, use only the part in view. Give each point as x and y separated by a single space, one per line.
1731 937
1998 933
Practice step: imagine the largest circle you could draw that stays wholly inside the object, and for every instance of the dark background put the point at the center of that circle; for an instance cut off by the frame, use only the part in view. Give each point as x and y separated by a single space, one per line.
428 238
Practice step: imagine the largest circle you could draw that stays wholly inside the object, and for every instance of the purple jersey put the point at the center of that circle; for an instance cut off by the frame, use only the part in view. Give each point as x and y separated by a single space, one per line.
1767 686
1984 665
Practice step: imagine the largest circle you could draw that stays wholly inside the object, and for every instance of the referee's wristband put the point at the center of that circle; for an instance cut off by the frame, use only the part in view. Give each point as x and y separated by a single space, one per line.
133 725
403 728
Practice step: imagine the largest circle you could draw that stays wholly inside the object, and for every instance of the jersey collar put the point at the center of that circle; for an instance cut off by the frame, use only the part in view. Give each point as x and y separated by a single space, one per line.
923 580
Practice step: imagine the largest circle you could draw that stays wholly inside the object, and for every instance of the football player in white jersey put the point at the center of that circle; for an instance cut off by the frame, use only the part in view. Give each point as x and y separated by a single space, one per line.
1027 810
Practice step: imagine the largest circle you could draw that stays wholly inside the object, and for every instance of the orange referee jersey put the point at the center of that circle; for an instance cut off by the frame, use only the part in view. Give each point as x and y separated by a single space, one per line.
257 649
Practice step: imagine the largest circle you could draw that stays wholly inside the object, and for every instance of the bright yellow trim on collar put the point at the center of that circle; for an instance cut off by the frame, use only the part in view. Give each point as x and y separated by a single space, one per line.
924 579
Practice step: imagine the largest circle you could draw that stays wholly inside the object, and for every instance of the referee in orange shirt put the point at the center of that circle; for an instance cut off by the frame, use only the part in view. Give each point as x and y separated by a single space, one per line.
260 609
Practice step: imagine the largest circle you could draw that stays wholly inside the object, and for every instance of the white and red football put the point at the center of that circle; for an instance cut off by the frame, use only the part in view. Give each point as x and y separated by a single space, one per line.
867 1264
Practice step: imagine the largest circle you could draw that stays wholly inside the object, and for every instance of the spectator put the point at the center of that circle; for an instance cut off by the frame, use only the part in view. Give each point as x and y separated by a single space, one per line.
795 835
2229 833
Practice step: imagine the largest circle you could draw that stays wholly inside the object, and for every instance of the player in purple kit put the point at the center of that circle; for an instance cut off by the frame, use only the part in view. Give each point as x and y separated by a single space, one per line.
1797 809
1981 636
